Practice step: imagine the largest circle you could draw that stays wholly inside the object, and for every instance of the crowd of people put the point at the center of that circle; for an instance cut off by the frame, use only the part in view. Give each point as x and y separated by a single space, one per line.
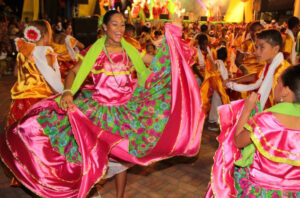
141 94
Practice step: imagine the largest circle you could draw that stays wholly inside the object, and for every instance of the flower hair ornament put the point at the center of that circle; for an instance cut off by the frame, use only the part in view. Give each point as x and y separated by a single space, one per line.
32 34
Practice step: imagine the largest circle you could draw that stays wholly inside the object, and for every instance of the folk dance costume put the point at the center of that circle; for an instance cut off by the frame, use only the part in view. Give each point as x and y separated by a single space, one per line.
270 171
212 80
36 79
267 168
140 121
216 99
267 80
222 181
66 54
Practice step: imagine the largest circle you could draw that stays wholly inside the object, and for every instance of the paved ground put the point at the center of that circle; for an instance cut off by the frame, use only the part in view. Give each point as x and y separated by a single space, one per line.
178 177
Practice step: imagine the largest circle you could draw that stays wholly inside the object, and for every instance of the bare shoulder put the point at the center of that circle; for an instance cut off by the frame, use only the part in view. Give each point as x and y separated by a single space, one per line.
288 121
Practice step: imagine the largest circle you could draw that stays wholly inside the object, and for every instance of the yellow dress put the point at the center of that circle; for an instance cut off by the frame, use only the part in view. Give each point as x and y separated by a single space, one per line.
212 81
30 82
31 86
287 46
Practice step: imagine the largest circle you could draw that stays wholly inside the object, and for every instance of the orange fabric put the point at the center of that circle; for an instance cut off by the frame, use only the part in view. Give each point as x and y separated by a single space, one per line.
214 53
133 42
24 47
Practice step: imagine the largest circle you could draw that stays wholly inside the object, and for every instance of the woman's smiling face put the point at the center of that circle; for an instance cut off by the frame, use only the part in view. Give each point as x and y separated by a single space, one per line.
115 28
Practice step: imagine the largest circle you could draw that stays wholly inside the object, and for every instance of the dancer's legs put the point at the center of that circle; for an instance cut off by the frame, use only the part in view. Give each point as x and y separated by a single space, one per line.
121 180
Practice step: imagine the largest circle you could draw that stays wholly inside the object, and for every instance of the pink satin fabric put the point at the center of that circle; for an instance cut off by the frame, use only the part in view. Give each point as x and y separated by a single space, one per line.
264 172
111 87
28 152
182 134
30 156
277 141
222 181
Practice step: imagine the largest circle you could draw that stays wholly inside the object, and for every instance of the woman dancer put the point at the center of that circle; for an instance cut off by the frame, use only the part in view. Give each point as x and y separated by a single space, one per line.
271 171
143 120
37 70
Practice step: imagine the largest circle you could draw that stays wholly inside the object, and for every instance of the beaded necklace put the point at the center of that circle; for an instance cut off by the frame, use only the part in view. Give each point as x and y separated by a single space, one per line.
113 63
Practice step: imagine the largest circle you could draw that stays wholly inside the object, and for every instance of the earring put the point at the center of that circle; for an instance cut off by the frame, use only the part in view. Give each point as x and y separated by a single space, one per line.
281 99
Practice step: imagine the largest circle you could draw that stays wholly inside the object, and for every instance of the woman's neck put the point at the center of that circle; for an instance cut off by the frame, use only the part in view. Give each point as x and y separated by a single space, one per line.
109 43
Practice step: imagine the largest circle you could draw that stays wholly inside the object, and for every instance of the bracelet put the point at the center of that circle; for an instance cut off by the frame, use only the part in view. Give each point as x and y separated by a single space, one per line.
67 90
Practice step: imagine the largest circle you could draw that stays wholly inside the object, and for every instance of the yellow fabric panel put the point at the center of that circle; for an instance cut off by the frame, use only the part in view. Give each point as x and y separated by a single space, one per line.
249 11
235 11
62 52
87 9
30 82
30 10
287 44
297 9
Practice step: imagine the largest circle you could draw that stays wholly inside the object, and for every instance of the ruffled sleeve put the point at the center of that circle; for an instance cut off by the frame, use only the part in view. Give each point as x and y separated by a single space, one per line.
24 47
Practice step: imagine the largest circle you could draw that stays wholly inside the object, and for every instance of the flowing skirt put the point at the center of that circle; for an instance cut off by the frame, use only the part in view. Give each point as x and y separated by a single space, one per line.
246 188
59 154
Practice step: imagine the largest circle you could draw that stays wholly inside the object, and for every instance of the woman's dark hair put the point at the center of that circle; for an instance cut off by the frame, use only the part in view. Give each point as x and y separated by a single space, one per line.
222 53
65 25
108 16
204 28
291 79
129 27
271 36
201 38
292 22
